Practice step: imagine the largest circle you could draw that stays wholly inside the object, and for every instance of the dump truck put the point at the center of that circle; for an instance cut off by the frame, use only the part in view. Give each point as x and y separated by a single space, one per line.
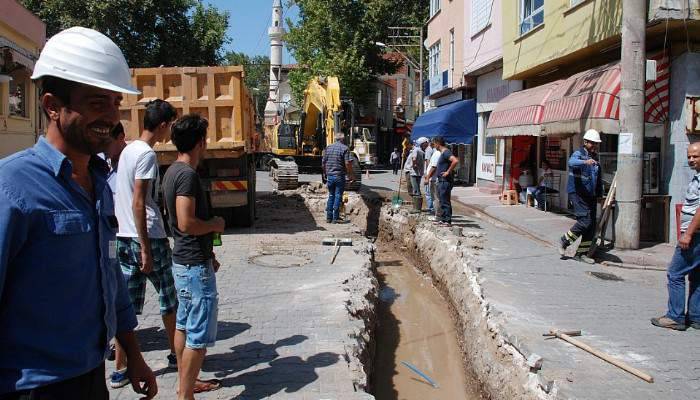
219 95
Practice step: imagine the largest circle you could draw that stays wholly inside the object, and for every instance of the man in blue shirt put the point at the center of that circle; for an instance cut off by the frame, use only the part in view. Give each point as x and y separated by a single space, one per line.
336 165
584 186
62 296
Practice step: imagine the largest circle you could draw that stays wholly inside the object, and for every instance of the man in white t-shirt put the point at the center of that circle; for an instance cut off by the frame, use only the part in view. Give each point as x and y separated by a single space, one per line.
142 245
431 179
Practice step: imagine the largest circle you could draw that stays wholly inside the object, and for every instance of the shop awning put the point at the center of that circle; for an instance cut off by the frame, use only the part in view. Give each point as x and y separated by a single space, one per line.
520 113
591 99
456 122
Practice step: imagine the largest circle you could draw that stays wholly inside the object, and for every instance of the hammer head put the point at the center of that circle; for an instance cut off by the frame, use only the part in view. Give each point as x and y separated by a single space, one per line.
337 242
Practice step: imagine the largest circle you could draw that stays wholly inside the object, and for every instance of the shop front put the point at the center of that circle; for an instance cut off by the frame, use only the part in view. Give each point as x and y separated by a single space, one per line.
456 123
490 89
547 123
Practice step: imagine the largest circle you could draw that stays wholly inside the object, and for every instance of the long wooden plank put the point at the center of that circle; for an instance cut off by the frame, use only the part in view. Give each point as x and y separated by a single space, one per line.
603 356
603 223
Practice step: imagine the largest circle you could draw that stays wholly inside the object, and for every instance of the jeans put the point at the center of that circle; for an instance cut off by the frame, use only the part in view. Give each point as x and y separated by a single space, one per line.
541 195
89 386
197 311
684 262
429 196
395 166
444 193
416 184
336 186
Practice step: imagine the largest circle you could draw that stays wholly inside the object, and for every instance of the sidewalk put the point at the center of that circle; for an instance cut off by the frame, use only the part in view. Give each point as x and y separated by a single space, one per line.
549 226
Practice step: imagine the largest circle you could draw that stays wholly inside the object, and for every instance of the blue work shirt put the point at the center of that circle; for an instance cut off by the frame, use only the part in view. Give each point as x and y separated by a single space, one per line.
62 294
584 180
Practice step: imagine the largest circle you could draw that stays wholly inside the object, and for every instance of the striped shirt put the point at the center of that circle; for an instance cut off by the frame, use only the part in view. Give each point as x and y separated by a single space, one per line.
334 159
692 200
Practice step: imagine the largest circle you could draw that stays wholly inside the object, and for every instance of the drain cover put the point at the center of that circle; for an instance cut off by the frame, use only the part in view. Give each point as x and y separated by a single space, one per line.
605 276
280 260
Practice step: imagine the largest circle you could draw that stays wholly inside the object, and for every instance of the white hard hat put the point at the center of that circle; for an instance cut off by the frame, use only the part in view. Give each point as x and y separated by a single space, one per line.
421 140
592 135
85 56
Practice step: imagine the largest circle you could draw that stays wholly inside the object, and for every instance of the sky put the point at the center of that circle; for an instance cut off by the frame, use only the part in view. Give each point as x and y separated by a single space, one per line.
248 23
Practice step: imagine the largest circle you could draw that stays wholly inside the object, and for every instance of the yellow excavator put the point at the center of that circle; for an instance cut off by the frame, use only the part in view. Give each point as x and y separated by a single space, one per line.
323 114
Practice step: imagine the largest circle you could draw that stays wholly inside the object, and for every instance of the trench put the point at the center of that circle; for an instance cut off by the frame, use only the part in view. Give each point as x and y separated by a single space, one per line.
415 326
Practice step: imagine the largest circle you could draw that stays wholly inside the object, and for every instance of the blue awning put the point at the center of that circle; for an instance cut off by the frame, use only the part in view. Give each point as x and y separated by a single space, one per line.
456 122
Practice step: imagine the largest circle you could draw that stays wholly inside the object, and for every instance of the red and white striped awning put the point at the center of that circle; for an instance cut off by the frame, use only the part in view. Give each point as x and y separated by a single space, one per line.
590 99
520 113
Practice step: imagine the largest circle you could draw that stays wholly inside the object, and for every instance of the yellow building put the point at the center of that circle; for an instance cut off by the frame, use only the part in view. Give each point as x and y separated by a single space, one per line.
567 54
22 35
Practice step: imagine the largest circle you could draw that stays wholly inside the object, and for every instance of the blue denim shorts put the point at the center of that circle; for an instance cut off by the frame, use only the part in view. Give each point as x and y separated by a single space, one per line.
198 303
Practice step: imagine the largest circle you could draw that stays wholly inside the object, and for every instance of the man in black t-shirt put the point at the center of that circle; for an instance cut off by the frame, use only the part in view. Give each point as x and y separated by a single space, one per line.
194 263
445 165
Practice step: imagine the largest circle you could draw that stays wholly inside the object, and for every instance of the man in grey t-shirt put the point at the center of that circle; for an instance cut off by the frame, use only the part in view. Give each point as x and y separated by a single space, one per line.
686 259
194 263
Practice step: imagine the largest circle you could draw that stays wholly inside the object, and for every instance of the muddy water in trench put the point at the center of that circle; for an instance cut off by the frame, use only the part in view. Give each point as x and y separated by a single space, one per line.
415 326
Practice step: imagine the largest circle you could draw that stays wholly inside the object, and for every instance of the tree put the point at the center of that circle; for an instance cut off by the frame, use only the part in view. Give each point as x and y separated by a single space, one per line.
257 75
338 38
150 33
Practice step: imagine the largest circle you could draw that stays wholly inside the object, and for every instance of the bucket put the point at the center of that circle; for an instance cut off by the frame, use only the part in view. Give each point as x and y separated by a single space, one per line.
417 203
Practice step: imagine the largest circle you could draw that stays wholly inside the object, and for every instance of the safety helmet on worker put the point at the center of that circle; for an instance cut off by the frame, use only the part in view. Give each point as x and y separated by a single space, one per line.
592 135
85 56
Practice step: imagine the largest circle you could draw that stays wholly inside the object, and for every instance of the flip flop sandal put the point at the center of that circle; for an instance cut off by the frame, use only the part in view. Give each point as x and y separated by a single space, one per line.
206 385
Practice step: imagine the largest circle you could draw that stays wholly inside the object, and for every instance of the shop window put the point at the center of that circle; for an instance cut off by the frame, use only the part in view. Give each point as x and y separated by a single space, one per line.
531 15
550 149
19 93
490 144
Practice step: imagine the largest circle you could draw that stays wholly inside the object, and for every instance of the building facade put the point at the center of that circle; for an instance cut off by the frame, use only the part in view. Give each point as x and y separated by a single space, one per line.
567 54
483 66
444 44
22 35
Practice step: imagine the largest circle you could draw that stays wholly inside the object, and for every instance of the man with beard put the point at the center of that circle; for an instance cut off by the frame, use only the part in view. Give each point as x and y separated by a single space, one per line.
62 295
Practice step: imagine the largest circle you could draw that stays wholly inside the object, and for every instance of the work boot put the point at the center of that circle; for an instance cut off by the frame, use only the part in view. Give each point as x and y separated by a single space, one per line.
666 322
695 325
563 244
584 258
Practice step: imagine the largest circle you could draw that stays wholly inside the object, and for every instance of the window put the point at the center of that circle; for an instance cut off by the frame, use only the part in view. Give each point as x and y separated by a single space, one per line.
481 15
576 2
434 7
531 14
490 147
434 60
18 99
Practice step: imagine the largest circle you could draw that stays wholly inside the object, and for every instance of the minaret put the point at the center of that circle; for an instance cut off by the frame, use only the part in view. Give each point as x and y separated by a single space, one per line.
276 32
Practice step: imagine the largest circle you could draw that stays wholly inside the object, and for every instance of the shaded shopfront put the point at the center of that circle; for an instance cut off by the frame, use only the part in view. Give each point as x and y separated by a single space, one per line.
547 123
457 123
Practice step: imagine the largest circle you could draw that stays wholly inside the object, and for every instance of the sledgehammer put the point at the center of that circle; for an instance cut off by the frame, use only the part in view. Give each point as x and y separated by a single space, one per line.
337 242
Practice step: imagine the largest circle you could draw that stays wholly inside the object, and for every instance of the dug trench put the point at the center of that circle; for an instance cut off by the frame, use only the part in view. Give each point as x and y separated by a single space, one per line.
430 313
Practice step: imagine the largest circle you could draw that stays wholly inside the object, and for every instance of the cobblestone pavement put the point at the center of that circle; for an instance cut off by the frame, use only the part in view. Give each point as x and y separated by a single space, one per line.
283 332
532 291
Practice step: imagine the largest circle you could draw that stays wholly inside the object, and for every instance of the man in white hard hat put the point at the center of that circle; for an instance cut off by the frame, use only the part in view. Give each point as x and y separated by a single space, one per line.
62 295
584 187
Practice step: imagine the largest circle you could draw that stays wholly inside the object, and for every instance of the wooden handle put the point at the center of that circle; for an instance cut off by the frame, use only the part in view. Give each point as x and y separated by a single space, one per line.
639 374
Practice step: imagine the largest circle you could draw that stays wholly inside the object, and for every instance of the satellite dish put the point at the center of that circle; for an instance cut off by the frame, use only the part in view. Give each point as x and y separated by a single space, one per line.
286 98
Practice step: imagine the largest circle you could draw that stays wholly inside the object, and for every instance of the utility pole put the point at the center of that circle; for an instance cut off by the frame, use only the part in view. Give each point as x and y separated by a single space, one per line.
420 73
630 156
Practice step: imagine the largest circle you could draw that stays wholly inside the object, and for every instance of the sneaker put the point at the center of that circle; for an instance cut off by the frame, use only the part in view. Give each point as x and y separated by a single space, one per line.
666 322
172 361
118 379
695 325
563 244
584 258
